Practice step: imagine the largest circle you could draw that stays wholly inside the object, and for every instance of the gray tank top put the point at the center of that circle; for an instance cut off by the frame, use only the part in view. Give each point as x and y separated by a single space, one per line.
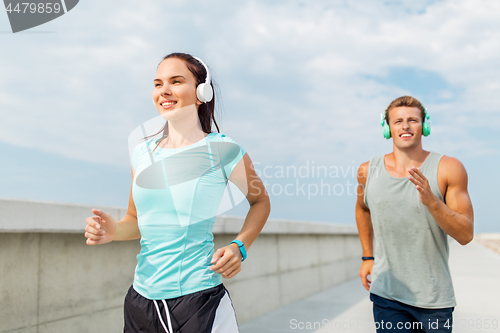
410 249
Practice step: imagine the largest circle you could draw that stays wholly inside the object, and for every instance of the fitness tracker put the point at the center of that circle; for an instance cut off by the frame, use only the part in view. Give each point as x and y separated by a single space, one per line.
242 248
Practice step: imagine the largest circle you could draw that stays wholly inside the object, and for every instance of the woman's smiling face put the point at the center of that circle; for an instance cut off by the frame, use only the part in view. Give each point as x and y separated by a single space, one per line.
174 91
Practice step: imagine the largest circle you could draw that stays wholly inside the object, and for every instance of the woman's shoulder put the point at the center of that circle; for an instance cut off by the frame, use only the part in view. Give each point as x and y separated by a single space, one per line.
227 144
143 146
221 137
146 143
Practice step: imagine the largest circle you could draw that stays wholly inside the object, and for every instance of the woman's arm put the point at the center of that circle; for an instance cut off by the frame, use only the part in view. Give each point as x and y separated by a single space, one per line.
102 228
246 179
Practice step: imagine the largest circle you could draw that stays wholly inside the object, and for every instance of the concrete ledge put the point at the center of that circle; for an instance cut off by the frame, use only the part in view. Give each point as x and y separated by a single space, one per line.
39 216
51 281
231 225
490 240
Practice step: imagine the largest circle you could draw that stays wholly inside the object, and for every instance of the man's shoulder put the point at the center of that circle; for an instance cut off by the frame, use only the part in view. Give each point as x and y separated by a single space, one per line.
450 163
451 168
365 167
363 172
372 159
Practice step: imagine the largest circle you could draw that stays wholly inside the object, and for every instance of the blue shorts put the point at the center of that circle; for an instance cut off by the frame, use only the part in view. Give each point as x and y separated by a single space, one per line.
394 316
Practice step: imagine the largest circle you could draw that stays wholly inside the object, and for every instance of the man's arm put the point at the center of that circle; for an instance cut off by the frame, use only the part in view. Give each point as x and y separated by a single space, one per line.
455 215
365 228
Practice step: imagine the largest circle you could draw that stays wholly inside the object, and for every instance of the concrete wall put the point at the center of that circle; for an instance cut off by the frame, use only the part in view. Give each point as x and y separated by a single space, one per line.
51 281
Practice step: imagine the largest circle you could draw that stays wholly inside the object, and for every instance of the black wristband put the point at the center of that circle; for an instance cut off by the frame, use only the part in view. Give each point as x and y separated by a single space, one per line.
367 258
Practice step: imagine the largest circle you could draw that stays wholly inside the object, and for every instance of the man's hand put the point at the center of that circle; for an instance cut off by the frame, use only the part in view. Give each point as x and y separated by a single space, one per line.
227 261
416 176
366 269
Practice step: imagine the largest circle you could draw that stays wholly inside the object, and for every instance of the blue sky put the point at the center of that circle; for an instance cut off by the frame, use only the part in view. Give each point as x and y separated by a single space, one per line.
302 85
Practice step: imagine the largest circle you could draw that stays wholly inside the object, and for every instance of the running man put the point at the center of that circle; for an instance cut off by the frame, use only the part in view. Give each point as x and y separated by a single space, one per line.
409 202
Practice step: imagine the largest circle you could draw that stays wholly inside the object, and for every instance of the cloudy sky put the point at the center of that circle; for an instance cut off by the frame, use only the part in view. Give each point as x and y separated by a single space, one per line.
302 86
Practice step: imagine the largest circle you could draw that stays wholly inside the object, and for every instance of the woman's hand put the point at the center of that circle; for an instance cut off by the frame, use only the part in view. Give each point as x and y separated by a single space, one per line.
101 228
227 261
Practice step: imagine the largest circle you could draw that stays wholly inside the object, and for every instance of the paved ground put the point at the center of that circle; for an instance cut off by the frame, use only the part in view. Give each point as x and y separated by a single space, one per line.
346 308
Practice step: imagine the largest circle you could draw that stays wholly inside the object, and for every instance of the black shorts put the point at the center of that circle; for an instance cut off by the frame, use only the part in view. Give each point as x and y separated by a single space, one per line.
205 311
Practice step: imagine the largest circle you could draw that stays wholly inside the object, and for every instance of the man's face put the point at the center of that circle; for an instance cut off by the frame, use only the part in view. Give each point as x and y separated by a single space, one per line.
406 126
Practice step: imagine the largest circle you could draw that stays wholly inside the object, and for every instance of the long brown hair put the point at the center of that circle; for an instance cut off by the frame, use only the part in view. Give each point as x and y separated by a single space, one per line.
206 111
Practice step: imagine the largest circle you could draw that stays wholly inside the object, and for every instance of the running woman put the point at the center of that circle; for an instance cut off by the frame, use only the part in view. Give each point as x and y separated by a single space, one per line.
409 202
178 180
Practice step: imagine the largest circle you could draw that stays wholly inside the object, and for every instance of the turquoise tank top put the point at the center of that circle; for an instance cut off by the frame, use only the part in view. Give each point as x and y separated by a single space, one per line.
411 250
177 193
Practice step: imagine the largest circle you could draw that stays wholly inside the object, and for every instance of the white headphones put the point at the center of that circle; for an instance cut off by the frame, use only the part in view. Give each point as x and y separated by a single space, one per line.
204 91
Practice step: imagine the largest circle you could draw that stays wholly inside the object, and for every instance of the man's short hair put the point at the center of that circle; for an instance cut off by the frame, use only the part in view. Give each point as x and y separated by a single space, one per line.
407 101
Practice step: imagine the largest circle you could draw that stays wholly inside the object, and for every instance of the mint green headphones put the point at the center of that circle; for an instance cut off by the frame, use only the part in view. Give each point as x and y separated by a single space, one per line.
426 126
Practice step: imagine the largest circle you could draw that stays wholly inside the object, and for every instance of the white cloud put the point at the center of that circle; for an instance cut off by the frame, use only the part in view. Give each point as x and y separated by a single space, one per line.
294 74
327 52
